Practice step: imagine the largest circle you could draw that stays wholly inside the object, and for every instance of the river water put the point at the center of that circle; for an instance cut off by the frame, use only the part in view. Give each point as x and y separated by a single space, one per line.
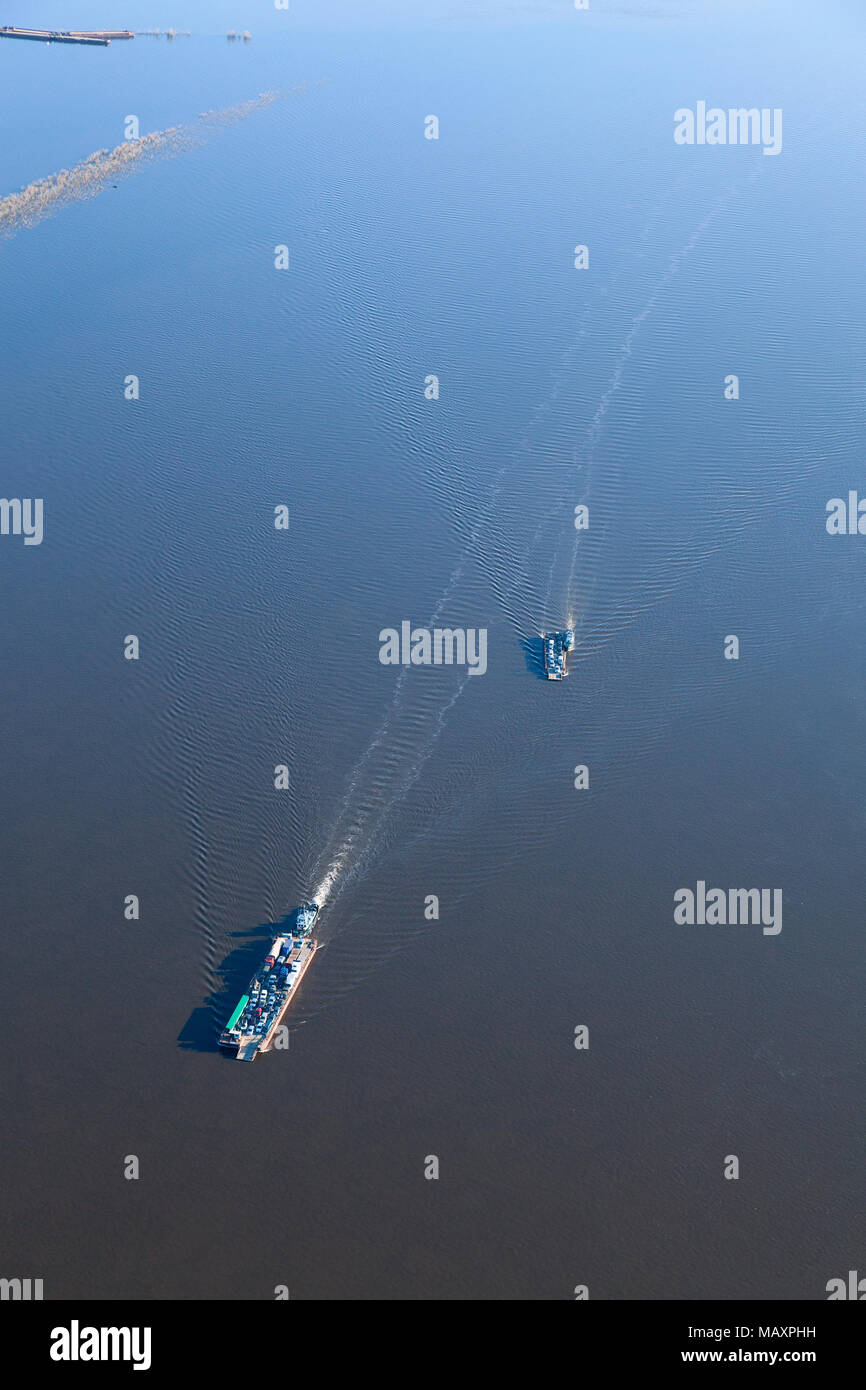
451 1037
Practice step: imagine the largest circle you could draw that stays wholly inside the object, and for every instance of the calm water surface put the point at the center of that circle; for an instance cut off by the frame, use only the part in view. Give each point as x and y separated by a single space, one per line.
259 648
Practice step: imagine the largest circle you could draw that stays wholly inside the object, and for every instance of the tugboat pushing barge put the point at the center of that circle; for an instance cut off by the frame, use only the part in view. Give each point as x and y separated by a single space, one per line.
555 646
272 988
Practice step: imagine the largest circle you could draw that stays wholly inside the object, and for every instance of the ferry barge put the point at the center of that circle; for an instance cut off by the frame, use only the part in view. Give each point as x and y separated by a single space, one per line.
260 1009
556 646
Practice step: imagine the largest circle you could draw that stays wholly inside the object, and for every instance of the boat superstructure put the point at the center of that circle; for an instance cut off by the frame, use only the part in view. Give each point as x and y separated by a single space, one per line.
260 1009
555 646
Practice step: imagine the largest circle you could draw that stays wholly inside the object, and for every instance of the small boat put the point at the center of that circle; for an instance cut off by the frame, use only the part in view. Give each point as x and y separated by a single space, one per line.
555 646
307 914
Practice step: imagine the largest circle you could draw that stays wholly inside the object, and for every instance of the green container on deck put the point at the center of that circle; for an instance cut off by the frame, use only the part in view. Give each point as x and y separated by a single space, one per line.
237 1013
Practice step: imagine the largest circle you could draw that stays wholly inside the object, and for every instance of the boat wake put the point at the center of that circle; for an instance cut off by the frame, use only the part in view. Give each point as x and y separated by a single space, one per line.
562 594
386 773
382 777
406 737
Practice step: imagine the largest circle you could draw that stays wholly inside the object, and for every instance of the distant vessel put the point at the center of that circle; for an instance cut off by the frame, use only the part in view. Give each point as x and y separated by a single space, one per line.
102 34
260 1009
555 646
102 37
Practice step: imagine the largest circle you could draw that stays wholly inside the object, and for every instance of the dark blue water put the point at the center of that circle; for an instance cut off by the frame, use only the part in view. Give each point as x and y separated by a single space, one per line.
259 648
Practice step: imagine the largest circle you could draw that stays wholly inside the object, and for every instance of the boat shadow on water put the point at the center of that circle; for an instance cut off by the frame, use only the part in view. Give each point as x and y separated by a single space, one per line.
202 1029
533 655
